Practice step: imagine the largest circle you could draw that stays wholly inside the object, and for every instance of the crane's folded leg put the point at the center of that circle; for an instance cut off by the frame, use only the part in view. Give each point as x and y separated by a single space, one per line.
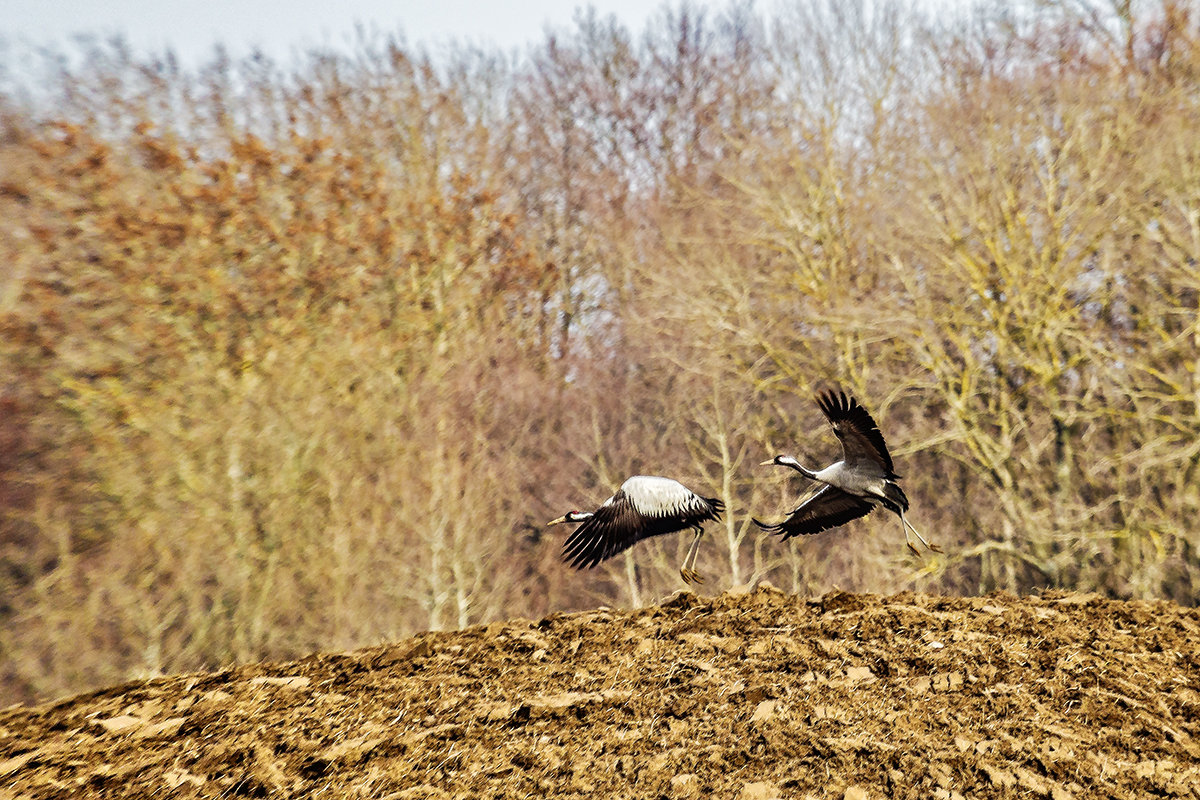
688 571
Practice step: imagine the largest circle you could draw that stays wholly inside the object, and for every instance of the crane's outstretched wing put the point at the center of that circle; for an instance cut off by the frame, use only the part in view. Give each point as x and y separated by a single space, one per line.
615 527
856 430
822 508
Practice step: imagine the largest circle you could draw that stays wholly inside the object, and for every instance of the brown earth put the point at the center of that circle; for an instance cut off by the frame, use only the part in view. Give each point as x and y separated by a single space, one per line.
753 696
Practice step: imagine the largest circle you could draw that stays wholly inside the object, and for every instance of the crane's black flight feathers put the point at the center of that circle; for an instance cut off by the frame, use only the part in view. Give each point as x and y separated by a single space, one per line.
822 508
857 431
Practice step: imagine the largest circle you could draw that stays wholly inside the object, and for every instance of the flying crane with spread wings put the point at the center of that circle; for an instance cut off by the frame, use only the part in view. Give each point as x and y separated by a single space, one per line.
644 506
852 487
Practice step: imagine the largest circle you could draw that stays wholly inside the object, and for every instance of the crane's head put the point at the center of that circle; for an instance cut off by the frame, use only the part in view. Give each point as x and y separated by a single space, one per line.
783 461
570 516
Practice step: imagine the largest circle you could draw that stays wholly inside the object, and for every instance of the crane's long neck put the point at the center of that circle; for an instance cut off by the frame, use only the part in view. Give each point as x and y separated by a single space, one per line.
788 461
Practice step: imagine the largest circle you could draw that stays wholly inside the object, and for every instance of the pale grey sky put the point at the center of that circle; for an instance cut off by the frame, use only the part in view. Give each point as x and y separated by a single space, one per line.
279 26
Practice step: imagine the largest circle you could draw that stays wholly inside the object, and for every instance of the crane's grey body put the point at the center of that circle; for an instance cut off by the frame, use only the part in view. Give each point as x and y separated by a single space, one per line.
850 488
864 477
644 506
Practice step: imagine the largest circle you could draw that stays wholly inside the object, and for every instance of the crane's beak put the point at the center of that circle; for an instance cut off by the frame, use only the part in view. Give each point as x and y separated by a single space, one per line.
768 462
557 521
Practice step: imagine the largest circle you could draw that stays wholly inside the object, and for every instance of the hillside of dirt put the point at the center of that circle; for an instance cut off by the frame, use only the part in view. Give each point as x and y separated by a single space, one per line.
755 695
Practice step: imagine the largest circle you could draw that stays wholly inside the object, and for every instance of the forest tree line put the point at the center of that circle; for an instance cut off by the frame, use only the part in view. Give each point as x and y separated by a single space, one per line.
303 357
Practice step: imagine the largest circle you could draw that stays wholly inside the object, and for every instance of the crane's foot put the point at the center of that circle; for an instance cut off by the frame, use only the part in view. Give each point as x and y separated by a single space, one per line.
908 526
690 576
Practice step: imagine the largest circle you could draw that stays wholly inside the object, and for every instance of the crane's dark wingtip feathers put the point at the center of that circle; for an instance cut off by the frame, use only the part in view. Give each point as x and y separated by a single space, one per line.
836 404
767 528
855 428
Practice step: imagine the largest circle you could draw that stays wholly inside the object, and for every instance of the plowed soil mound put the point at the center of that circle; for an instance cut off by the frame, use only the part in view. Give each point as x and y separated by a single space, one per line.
750 696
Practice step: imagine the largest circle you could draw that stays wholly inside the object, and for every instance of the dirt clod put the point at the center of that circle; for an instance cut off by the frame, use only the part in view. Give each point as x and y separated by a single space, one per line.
760 790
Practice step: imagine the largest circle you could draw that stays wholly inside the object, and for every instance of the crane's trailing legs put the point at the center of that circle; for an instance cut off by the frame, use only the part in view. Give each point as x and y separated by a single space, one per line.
907 526
688 570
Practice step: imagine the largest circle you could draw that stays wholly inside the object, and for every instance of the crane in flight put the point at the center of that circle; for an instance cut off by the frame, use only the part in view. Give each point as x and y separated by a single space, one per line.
852 487
644 506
